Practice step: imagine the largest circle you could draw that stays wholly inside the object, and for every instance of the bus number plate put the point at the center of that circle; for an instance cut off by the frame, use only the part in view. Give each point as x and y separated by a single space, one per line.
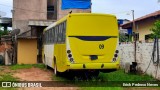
93 57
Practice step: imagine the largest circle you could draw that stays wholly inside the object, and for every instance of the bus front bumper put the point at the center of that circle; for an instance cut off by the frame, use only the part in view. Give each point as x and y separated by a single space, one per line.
94 66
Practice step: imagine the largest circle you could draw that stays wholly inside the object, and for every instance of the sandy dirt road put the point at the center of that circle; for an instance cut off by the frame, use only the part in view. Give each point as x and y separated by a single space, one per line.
36 74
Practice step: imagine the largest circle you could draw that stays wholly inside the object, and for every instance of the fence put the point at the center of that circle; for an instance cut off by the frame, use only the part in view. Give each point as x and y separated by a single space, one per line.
143 57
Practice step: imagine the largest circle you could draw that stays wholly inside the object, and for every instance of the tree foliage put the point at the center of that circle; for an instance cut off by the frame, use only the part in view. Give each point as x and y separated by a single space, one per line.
123 38
3 32
156 30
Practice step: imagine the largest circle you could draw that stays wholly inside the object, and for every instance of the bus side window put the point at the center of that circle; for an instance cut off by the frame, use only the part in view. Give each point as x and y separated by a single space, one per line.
56 34
60 33
64 32
49 36
46 37
59 36
52 35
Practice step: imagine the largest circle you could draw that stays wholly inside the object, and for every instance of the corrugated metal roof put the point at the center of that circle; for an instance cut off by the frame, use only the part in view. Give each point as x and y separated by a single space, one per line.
5 21
39 23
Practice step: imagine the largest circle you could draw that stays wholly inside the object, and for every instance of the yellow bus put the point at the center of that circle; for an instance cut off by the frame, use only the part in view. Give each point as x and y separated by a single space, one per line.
82 41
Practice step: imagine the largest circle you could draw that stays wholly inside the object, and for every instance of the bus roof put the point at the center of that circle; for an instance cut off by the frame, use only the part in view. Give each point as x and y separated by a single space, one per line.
56 23
76 14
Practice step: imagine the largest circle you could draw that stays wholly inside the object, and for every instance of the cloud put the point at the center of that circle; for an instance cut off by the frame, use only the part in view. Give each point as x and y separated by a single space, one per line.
118 7
6 6
121 7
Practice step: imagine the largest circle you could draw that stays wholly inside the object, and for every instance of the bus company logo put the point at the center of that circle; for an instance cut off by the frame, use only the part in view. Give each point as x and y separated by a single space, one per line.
6 84
101 46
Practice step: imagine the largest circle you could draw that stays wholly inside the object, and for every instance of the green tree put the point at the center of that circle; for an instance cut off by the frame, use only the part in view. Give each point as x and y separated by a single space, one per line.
123 37
2 32
156 30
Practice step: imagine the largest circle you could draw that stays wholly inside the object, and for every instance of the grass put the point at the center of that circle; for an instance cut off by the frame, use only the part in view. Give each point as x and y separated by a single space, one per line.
7 77
103 77
101 88
8 88
100 83
121 76
26 66
58 78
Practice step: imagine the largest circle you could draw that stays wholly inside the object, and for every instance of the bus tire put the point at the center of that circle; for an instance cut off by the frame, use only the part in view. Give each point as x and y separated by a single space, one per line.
55 68
45 62
94 73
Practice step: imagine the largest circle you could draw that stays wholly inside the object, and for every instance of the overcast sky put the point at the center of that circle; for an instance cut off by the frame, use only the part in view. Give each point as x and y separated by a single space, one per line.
121 8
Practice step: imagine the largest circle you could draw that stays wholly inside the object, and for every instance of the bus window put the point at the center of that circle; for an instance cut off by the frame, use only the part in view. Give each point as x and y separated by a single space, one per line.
56 34
63 32
46 37
59 33
52 35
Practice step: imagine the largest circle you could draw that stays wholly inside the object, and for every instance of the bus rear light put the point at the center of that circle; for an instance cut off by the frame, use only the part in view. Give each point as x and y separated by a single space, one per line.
70 55
117 51
68 51
114 59
71 60
115 55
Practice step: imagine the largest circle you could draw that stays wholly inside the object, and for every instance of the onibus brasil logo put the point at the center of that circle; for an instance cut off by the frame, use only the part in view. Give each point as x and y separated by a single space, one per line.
20 84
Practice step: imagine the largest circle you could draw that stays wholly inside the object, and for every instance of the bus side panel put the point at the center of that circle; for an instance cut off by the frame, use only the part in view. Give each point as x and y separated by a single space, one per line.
49 53
60 54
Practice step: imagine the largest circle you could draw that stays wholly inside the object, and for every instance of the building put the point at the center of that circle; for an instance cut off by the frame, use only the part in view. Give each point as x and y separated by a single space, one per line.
143 25
31 17
121 22
5 22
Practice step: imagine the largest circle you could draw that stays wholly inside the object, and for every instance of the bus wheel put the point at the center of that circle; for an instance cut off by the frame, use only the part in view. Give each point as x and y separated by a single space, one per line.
94 74
55 68
45 62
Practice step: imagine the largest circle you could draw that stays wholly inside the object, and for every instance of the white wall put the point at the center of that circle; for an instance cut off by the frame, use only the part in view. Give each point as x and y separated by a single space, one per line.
144 53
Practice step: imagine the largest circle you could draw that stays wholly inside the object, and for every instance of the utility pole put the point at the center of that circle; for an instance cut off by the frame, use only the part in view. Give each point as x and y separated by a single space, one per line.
135 38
